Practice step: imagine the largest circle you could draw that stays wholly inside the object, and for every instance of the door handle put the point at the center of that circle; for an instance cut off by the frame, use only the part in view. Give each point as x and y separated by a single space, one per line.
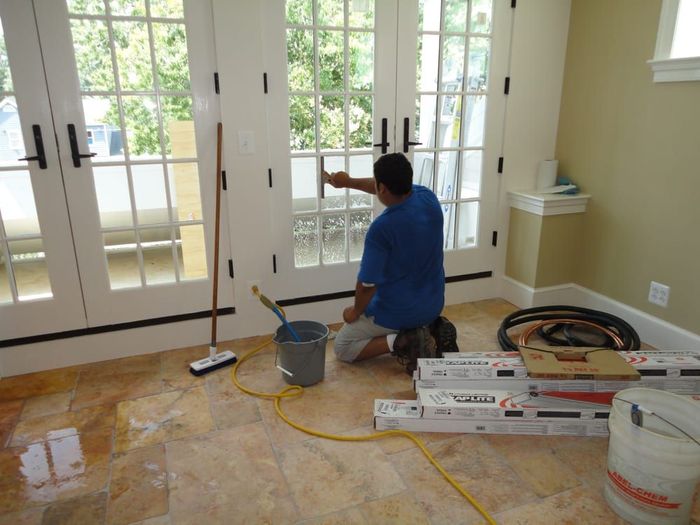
75 154
406 142
383 144
321 182
39 145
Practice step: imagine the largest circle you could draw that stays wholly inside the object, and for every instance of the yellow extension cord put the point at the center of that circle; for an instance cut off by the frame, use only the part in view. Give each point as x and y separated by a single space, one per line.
295 390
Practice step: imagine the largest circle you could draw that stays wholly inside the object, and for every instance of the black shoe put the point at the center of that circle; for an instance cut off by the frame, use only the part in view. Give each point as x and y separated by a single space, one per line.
413 344
445 335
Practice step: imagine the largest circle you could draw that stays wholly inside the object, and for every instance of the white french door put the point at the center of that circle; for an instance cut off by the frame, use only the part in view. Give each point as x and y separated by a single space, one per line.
367 77
39 282
133 112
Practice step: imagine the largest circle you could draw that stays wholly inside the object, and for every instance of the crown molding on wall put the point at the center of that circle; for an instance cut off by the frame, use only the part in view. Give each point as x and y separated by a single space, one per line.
652 330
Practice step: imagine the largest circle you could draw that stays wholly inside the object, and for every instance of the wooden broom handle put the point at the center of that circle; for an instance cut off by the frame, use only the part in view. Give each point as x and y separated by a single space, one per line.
219 139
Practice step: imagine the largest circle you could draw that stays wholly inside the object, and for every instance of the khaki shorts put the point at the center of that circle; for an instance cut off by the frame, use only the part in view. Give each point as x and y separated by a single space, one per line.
353 338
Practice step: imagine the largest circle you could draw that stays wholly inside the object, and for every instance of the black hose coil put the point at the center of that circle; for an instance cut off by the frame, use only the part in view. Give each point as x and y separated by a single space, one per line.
624 330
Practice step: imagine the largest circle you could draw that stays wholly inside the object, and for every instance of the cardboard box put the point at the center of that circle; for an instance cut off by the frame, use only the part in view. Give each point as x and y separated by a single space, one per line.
511 405
682 385
405 415
651 365
568 362
473 367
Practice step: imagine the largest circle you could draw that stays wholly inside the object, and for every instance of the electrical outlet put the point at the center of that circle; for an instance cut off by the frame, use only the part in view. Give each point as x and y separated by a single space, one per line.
658 294
251 295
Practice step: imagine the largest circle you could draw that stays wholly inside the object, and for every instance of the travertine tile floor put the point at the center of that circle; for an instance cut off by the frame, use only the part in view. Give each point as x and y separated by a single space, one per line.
140 440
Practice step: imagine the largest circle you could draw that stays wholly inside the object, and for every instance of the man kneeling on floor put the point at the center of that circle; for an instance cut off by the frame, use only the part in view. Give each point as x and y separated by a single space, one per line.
400 288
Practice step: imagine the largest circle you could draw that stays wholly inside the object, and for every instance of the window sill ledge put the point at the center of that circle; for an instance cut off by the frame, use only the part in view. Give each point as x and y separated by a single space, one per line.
675 69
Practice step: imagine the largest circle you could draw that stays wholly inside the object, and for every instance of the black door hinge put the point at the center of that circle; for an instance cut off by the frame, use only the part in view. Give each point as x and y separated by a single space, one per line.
512 3
230 268
216 83
506 87
500 164
494 238
274 263
224 184
269 177
265 82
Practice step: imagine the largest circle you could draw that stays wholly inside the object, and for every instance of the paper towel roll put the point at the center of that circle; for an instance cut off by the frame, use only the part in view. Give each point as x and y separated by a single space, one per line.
547 174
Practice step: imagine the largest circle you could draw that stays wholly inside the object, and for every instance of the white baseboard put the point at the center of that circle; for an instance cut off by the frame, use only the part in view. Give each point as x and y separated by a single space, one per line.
652 330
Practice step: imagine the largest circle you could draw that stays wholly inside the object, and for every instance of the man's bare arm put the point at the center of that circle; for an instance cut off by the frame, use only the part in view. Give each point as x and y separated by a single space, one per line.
341 179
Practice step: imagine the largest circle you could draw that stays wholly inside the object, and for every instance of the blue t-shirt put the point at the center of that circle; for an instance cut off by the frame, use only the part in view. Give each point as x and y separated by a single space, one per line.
403 257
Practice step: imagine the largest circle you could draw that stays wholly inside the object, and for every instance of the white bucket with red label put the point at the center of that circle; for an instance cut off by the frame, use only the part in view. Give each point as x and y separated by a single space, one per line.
653 456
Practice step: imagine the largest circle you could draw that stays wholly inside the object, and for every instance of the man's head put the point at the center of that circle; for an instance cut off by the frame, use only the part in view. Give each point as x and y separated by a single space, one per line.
393 174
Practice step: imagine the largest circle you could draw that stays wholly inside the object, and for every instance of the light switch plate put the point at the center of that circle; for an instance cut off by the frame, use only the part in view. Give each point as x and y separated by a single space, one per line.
246 142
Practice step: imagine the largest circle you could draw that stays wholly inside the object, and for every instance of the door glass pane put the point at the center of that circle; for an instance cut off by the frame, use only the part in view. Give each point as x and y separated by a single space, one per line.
468 224
302 123
427 68
149 194
157 248
452 63
299 12
127 7
474 120
167 8
471 174
300 60
17 207
121 250
361 167
170 44
450 119
447 175
103 127
5 75
361 61
425 120
456 15
429 15
359 224
448 228
113 198
86 7
423 168
480 19
92 55
29 266
362 13
360 122
191 252
141 120
331 60
184 191
332 132
134 64
304 184
479 51
334 197
178 127
306 242
333 238
330 13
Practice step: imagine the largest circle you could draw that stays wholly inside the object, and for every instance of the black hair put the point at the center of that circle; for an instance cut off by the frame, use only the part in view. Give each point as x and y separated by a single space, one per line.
395 172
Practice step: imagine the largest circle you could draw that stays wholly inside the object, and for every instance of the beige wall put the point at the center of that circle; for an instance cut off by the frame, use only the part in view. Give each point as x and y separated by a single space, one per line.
635 146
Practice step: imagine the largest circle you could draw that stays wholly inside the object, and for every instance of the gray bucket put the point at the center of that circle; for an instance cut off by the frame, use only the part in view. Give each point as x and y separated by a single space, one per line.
302 363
